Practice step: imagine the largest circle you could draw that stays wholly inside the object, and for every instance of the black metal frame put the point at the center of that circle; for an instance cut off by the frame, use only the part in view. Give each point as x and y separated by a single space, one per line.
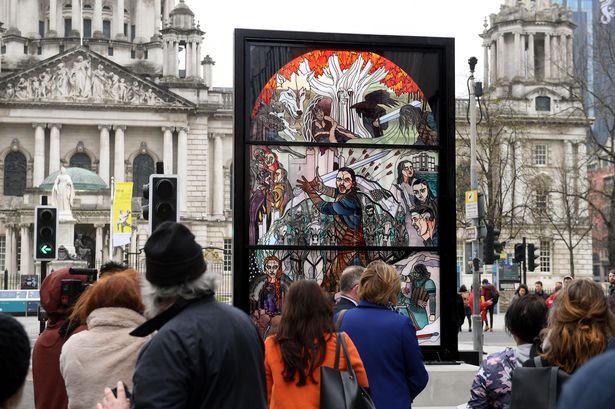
443 50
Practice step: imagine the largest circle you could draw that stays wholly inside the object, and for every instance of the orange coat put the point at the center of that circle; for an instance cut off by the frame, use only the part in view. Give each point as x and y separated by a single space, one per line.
283 395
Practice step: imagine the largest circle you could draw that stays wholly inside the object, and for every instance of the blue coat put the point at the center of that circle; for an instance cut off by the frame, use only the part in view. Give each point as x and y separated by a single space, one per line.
591 386
390 352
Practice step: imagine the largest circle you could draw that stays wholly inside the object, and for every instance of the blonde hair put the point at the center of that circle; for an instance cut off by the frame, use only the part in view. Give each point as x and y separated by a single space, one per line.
379 284
580 323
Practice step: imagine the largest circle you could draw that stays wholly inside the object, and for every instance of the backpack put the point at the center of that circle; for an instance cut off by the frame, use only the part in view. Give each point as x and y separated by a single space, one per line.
538 387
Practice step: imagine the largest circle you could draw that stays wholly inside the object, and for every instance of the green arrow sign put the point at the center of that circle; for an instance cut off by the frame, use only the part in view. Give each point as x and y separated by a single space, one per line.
46 249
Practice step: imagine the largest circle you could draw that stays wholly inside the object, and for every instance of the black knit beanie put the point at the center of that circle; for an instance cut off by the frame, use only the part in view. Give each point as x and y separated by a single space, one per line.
14 358
172 256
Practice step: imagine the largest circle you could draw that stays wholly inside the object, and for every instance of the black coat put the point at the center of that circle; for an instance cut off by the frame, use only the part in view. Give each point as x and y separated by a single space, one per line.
342 304
209 355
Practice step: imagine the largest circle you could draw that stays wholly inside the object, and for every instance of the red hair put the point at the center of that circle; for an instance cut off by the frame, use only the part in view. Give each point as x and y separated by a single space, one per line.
116 290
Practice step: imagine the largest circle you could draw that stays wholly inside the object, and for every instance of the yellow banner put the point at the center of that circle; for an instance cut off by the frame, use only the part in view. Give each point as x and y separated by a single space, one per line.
122 209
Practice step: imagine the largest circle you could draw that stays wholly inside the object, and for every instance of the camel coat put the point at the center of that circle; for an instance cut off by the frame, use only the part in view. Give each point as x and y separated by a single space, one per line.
100 356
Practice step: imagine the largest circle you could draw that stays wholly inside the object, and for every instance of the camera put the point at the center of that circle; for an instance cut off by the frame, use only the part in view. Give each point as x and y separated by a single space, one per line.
71 289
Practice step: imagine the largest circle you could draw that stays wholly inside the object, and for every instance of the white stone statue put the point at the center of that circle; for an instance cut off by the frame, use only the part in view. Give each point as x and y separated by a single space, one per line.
63 194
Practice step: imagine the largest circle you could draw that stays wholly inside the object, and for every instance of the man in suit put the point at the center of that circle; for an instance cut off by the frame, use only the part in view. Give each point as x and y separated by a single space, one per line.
349 287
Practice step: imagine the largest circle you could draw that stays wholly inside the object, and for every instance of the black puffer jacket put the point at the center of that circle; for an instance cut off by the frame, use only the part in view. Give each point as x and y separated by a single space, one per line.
209 355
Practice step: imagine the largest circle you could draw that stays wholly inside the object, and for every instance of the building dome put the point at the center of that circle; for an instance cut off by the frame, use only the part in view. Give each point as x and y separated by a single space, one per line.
83 179
182 17
181 9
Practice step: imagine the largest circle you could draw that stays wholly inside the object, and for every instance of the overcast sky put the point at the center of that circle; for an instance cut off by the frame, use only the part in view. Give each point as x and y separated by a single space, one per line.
461 19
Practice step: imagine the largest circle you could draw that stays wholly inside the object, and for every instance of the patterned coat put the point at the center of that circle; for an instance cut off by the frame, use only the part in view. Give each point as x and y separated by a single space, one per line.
492 385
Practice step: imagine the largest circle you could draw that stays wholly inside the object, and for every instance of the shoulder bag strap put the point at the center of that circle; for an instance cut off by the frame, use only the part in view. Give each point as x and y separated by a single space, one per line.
340 317
552 392
347 356
338 337
537 362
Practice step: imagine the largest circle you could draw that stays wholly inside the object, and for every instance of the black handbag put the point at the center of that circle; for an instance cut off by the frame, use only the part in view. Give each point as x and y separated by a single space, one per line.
341 389
537 388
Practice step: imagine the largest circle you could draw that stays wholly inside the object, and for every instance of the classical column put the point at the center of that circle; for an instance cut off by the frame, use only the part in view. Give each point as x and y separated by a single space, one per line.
197 61
53 18
54 147
13 22
569 56
97 20
174 61
38 172
118 172
556 57
182 165
218 176
118 20
500 57
8 249
26 250
138 20
189 58
99 244
486 65
517 55
494 63
547 56
530 57
167 149
168 7
157 16
75 17
568 159
103 161
13 254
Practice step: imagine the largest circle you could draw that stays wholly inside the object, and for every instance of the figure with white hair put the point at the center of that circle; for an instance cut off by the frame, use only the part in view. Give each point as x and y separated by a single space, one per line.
63 192
206 354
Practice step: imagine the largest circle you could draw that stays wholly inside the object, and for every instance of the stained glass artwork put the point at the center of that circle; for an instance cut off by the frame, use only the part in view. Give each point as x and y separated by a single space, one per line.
272 271
349 97
343 196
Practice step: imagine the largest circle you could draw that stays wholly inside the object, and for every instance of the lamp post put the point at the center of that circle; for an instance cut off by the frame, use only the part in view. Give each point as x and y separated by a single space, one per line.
476 316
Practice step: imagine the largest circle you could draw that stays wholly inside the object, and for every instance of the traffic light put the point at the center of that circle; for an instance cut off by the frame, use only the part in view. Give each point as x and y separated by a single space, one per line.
533 254
45 232
498 247
488 246
145 202
163 203
519 253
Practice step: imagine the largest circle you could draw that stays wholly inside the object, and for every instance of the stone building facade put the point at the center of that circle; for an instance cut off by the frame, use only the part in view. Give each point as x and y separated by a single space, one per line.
113 86
540 159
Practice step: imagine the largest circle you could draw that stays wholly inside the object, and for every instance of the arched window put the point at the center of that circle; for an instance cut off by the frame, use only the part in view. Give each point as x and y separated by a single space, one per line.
80 160
15 169
142 167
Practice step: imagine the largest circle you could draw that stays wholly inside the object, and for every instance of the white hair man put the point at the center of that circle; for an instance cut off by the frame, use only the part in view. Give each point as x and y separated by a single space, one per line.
349 290
206 354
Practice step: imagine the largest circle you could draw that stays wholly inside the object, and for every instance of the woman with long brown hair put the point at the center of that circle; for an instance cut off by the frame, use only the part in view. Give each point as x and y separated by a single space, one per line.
580 326
104 353
305 341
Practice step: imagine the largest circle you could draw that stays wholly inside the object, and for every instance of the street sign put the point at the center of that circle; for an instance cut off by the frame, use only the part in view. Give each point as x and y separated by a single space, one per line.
471 204
471 233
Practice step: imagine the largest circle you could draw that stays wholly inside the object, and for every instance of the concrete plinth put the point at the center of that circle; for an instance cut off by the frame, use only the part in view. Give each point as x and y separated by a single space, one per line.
58 264
66 234
449 385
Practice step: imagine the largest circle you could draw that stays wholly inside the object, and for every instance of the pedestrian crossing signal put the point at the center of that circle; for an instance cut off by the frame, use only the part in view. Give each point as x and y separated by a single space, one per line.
45 232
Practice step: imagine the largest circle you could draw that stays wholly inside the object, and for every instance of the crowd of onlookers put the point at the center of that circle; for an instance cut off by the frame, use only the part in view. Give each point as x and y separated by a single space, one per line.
163 341
572 329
